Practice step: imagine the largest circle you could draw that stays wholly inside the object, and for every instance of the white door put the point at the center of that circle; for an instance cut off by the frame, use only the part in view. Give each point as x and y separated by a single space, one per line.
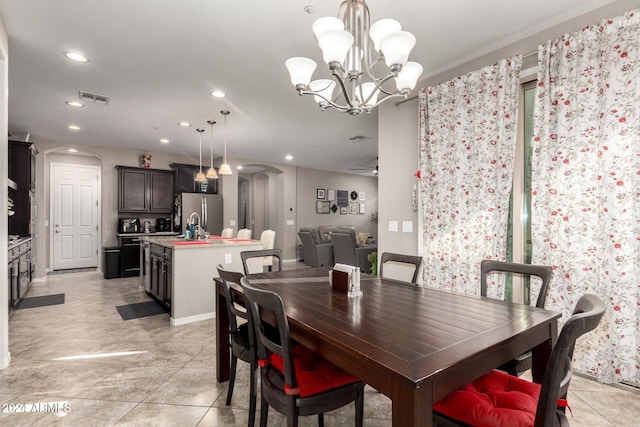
74 216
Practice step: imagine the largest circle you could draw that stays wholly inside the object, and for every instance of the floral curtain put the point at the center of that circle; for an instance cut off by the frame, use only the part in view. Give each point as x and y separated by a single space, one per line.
467 140
586 186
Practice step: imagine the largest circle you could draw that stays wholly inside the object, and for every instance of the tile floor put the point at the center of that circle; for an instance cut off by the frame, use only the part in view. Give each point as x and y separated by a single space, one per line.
143 372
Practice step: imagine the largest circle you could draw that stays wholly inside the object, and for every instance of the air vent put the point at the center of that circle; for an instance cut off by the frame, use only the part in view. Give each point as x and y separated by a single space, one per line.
358 138
92 97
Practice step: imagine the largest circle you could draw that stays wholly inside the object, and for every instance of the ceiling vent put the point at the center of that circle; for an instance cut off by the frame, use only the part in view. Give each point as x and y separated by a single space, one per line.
92 97
358 138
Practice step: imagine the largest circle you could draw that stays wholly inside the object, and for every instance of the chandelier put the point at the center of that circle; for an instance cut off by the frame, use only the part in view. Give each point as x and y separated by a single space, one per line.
352 49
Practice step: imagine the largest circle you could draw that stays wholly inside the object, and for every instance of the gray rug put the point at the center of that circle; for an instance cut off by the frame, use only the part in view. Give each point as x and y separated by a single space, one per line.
41 301
140 309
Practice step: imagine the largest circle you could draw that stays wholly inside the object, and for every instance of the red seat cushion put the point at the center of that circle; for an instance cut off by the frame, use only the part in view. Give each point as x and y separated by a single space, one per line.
495 399
314 374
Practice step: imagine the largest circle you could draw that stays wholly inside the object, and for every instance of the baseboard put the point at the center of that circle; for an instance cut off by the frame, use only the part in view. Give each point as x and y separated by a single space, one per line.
193 319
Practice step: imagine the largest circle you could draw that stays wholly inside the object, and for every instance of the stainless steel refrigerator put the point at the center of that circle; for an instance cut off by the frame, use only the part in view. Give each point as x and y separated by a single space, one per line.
207 206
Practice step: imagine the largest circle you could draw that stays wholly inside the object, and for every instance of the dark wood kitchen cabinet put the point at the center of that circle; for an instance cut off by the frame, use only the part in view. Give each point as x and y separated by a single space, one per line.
184 179
143 190
161 274
21 170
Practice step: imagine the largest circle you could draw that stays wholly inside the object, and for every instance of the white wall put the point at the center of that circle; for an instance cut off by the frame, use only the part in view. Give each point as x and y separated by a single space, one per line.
398 129
4 286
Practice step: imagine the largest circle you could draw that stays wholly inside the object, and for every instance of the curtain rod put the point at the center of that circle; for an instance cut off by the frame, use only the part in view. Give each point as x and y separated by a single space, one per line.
398 103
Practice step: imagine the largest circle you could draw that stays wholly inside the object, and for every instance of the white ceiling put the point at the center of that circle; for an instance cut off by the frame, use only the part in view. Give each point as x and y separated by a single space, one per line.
158 60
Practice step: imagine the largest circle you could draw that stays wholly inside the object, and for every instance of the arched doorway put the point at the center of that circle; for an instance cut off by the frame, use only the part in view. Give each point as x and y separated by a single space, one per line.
258 193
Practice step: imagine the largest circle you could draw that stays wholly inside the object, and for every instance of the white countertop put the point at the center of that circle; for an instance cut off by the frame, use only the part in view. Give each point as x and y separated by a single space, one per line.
214 242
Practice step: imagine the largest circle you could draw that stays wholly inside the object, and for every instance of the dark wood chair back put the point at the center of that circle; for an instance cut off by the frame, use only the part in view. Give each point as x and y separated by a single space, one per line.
544 272
281 390
414 260
275 253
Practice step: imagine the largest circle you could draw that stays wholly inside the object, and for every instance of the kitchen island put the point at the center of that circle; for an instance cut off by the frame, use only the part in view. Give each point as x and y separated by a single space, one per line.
181 273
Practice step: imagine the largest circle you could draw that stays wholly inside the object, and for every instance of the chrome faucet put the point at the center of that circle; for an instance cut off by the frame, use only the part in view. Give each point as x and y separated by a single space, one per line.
197 229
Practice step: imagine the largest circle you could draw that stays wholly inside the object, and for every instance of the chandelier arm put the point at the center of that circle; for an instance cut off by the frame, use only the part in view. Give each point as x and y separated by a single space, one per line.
331 103
393 95
345 92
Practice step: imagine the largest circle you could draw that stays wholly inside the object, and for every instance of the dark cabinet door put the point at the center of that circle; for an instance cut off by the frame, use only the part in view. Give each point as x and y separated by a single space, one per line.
133 190
161 191
184 180
20 159
156 266
168 283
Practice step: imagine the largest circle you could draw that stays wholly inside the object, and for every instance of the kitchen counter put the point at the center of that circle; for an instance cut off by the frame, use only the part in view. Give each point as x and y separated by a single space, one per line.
194 266
158 233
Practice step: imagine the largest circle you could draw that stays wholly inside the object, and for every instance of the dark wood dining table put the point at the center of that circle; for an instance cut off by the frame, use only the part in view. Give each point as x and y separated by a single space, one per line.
412 343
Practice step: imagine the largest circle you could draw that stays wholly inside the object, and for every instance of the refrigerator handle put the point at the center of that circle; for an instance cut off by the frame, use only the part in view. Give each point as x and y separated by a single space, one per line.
204 214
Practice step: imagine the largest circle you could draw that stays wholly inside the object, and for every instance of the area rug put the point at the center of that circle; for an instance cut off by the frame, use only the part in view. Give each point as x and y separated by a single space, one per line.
140 309
41 301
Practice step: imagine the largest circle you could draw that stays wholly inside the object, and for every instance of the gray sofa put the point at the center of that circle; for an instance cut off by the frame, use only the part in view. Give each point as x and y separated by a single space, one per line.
316 253
347 249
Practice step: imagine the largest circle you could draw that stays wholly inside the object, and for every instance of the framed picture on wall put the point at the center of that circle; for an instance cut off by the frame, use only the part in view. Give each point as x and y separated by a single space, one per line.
361 196
323 207
362 208
320 193
331 195
343 198
353 208
343 210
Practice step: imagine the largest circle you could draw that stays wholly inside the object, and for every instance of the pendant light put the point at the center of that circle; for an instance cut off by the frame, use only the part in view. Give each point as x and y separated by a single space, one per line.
200 176
225 169
211 173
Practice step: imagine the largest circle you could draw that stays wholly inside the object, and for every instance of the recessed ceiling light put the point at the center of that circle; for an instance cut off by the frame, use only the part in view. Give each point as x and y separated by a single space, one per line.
75 104
74 127
218 94
239 167
164 141
184 124
289 157
72 150
76 56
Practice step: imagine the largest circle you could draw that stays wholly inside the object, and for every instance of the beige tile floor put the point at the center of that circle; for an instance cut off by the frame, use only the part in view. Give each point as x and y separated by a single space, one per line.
143 372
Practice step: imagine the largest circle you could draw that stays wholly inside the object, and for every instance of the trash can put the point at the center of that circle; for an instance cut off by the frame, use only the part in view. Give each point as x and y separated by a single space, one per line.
111 262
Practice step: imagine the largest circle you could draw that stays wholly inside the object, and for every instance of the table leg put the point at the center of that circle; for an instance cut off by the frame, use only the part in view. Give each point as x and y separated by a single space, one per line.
223 357
411 407
542 352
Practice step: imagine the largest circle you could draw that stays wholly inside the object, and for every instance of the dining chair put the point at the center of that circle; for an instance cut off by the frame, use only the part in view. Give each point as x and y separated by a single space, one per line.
244 233
401 261
268 239
241 343
294 380
246 255
498 399
521 363
227 232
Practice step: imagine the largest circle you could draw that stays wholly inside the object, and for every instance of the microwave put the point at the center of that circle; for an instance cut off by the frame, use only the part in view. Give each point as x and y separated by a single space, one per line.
128 225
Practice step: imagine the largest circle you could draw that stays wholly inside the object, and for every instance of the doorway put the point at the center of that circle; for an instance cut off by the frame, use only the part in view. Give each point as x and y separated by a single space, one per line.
74 216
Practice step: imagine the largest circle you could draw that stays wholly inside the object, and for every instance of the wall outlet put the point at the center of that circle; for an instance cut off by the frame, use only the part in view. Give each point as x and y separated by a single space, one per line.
393 226
227 258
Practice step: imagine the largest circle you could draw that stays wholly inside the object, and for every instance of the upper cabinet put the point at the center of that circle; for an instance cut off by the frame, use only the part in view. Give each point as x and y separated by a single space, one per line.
184 180
144 190
21 170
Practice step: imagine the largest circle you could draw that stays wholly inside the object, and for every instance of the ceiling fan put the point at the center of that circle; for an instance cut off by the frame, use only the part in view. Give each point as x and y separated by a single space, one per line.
367 168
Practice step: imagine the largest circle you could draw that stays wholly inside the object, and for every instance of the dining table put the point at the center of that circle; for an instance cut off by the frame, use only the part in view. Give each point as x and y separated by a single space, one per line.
414 344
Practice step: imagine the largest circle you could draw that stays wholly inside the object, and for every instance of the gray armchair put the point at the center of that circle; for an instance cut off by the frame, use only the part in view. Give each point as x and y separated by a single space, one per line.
315 253
347 250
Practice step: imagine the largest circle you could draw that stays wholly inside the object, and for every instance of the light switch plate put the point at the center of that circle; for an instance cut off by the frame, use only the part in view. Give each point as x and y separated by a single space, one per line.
393 226
290 222
232 222
407 226
227 258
